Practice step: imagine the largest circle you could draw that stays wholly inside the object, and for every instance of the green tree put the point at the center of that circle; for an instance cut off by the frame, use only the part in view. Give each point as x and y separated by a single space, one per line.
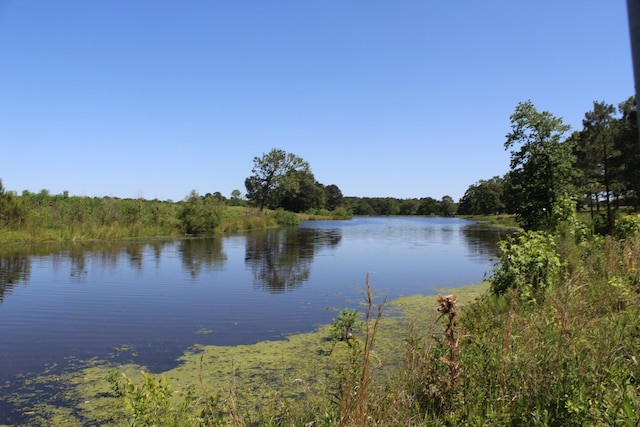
409 206
385 205
271 177
541 165
483 198
428 206
588 182
333 197
629 147
236 199
306 194
598 151
447 206
359 206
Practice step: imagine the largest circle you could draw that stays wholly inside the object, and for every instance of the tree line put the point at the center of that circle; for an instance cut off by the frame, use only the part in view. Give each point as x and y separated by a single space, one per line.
284 180
426 206
598 167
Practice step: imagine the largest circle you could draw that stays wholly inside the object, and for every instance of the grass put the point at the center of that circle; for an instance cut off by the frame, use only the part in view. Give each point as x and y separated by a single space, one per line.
234 219
502 220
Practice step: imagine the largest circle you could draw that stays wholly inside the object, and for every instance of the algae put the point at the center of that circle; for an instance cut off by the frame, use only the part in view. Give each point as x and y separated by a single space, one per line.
296 375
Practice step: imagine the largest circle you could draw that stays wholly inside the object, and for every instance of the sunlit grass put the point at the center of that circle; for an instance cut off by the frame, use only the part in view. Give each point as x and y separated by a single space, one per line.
503 220
234 219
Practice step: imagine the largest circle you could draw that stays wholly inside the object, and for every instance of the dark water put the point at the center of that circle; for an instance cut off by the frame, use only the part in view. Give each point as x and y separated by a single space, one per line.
159 297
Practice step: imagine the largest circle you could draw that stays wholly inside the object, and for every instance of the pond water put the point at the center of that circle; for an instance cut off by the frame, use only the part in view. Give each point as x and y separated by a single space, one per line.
159 297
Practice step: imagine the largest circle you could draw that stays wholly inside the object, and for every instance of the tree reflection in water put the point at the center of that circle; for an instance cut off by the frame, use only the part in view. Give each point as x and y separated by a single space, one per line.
15 263
200 253
281 259
15 267
482 240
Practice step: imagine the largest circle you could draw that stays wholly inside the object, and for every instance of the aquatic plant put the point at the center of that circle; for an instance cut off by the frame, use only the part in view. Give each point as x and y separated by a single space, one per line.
342 326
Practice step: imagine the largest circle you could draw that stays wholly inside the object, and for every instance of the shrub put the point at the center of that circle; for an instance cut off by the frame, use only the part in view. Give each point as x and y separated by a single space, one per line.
627 227
527 263
286 218
200 215
152 403
342 326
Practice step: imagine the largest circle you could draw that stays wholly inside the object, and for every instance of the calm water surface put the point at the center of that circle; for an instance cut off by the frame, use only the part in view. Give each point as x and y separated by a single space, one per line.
159 297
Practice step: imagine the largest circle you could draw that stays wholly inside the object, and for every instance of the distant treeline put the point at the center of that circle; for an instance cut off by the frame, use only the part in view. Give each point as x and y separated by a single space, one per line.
392 206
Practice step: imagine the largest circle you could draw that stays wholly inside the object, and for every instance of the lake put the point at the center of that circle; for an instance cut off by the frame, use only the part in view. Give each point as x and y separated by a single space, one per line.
159 297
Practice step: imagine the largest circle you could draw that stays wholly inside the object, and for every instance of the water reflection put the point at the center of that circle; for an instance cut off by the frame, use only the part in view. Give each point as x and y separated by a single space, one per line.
482 240
14 269
197 254
79 258
87 256
281 259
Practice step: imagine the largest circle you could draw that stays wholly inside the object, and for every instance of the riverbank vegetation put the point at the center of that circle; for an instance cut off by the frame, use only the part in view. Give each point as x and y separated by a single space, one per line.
39 217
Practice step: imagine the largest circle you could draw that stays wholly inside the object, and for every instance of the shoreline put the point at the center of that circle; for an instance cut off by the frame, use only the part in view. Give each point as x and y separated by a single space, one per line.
300 365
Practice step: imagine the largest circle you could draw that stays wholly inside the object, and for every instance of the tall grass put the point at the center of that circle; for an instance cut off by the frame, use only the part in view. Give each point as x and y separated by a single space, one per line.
42 217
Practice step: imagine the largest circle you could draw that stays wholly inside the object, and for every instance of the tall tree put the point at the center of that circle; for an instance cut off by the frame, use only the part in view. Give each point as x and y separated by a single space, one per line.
541 164
598 137
627 144
428 206
483 198
447 206
334 197
272 177
307 194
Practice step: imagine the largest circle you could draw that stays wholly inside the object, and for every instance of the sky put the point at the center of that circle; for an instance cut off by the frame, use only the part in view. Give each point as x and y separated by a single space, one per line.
396 98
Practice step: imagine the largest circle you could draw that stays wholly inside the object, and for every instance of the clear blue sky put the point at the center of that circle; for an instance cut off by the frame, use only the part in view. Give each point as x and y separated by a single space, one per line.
402 98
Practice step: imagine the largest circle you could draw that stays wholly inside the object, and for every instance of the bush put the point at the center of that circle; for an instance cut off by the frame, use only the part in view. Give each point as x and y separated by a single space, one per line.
627 227
342 326
527 263
152 403
286 218
200 215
